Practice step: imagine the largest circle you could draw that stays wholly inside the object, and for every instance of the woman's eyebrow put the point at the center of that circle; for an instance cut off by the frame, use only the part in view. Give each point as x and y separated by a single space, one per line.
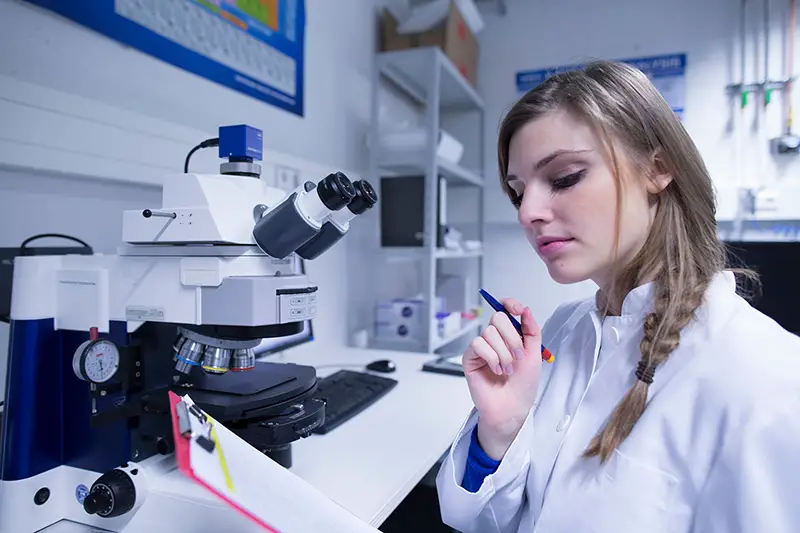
543 162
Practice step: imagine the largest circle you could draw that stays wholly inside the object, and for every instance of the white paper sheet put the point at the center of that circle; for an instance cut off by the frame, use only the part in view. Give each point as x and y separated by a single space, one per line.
266 489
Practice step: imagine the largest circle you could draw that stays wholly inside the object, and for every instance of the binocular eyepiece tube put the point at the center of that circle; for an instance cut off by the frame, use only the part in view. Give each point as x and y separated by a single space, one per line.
339 222
281 230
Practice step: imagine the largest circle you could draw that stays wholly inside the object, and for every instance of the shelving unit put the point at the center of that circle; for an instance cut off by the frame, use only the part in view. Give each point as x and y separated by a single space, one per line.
431 80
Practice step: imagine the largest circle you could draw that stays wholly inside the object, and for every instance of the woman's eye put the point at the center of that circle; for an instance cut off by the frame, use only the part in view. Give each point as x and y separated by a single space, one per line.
568 181
517 199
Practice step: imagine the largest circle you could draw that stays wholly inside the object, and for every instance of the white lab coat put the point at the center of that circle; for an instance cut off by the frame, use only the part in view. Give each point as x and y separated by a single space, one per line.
717 449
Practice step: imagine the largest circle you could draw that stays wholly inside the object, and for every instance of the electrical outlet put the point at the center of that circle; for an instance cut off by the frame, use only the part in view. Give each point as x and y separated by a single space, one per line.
286 177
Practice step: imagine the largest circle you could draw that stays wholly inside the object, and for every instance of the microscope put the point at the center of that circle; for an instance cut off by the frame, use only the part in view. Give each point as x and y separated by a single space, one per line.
98 342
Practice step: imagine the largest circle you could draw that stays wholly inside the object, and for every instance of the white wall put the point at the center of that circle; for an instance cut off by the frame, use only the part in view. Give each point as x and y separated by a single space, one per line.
78 108
544 33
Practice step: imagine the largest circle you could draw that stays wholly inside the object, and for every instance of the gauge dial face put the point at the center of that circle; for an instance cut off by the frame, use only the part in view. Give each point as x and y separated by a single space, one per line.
100 361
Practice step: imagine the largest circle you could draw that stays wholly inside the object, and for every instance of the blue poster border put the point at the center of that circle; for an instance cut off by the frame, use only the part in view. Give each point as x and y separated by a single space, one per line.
100 16
658 66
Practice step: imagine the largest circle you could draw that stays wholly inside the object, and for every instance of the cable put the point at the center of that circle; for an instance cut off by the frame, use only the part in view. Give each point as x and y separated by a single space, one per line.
208 143
56 236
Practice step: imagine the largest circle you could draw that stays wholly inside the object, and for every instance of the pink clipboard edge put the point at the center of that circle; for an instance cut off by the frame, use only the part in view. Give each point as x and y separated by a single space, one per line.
183 457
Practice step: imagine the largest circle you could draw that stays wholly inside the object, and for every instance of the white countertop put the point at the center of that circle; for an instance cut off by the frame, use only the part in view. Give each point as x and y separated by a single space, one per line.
369 464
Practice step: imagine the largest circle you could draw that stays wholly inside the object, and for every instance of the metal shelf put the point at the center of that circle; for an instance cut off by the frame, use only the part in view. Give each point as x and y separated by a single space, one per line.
415 252
415 163
437 342
443 253
408 68
427 76
467 328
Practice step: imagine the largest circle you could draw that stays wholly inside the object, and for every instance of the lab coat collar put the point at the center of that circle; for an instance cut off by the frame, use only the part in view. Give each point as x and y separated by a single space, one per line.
640 300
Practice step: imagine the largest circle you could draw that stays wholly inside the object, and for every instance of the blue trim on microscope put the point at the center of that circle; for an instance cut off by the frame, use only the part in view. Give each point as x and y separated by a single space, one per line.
192 363
47 411
33 393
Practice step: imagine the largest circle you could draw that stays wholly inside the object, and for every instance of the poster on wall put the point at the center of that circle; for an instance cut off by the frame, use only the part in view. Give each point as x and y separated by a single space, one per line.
667 72
255 47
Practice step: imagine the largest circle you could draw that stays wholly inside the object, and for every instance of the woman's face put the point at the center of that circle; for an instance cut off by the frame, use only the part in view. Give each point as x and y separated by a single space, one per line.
565 182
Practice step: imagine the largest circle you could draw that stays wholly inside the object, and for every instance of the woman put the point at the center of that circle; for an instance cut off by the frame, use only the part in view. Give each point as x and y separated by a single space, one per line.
672 405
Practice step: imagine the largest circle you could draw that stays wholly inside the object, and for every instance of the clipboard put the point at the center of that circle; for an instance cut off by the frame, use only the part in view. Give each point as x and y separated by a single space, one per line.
250 482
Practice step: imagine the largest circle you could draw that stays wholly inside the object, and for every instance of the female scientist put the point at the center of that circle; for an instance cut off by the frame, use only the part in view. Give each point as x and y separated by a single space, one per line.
672 405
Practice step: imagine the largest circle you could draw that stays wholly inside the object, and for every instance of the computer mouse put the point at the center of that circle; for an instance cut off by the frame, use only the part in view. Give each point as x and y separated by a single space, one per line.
382 365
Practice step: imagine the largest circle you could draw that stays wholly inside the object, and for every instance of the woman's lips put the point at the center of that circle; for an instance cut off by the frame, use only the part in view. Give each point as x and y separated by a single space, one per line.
549 246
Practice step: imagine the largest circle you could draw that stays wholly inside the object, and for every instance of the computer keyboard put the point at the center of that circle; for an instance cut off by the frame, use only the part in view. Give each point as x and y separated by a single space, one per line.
346 393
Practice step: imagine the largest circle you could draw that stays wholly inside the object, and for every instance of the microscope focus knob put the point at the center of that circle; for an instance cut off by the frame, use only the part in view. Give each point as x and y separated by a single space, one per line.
113 494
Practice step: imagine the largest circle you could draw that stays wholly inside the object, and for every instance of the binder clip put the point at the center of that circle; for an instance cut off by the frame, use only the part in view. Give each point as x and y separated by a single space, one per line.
204 439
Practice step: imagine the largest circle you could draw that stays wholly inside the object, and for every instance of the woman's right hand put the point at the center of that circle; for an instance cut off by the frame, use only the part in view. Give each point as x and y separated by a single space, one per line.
502 371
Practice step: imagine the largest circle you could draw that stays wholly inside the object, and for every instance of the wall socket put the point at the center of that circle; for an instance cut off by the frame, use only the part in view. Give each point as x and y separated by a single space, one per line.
286 178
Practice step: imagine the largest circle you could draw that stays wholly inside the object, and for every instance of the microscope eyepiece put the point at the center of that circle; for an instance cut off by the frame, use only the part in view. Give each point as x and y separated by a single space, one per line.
336 191
365 197
301 216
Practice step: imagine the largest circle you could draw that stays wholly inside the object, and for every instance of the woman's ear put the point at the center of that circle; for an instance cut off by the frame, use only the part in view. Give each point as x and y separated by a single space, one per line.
661 176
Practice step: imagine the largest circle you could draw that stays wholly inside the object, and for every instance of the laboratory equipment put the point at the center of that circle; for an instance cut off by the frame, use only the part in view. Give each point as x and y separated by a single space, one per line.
347 393
9 254
275 345
777 293
339 222
98 341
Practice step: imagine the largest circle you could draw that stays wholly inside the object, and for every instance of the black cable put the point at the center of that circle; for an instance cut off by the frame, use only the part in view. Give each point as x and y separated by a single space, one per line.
208 143
56 236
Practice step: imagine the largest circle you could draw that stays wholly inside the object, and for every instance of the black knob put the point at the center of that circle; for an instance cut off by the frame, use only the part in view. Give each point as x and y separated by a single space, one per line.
336 190
364 199
147 213
113 494
164 446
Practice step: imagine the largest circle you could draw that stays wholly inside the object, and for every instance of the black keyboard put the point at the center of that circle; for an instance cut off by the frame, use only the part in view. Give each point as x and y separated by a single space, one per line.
346 393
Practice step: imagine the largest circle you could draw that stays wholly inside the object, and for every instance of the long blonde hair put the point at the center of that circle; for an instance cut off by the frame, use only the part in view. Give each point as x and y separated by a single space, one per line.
682 252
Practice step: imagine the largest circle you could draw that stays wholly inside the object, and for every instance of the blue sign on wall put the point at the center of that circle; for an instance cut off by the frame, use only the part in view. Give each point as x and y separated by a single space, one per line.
667 72
255 47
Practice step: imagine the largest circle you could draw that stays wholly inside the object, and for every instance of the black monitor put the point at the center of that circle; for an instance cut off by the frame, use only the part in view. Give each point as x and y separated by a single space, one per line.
270 346
777 264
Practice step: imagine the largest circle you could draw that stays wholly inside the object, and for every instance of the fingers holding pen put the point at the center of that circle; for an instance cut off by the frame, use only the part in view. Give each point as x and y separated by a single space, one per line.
498 345
531 332
480 354
509 333
513 306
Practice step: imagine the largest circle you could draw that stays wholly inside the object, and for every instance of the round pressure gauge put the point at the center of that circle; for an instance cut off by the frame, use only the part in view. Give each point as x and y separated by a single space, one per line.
96 361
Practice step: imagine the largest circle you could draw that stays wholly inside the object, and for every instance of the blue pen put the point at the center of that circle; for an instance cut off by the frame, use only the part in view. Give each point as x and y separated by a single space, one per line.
497 306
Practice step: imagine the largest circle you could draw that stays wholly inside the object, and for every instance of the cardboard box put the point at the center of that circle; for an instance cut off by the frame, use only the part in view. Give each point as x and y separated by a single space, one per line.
452 35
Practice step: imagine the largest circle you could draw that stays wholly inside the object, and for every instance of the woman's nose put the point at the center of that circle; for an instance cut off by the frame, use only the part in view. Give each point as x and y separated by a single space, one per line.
534 207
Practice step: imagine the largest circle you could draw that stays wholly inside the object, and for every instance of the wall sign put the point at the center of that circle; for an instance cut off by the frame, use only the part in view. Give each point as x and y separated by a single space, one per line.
255 47
667 72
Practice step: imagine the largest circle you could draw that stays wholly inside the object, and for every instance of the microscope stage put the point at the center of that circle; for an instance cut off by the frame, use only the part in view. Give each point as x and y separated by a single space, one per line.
263 391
